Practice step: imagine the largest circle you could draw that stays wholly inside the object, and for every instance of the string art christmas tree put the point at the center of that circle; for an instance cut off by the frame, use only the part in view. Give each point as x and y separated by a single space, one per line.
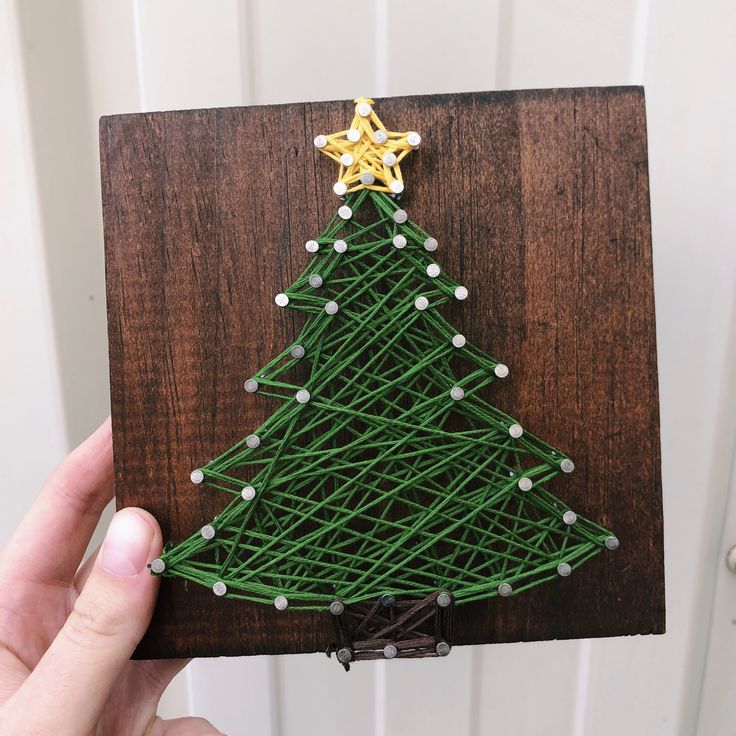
384 491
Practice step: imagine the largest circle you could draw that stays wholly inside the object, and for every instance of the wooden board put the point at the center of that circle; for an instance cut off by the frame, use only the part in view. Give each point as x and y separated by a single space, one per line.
540 202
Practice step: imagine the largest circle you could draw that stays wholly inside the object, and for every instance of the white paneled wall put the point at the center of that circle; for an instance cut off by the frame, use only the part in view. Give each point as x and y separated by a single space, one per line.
436 46
183 42
595 43
691 60
64 65
31 417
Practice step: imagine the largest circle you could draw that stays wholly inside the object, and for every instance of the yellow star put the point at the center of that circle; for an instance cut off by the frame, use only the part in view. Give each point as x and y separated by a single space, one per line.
368 154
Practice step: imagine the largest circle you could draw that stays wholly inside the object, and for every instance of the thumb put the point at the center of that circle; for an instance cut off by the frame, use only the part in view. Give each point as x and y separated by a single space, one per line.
68 689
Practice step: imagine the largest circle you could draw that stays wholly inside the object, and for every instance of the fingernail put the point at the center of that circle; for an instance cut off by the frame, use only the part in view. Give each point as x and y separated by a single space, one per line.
127 544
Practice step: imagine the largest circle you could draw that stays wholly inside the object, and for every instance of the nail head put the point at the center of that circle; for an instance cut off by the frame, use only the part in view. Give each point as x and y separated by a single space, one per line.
444 599
158 566
442 648
457 393
515 430
219 588
505 590
525 484
569 517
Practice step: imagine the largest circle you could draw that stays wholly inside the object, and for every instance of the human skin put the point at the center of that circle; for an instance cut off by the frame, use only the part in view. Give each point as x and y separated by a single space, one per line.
67 631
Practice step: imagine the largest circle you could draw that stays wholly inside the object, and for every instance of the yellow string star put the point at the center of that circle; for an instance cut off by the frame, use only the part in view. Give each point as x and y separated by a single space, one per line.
368 154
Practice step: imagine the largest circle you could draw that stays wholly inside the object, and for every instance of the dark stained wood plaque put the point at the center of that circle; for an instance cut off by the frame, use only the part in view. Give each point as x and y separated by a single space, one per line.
540 202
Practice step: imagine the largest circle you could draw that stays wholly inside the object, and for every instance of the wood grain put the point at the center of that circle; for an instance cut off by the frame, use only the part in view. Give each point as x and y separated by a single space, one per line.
540 202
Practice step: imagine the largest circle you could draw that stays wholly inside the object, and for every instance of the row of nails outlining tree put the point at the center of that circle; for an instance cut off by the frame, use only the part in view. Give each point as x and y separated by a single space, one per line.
384 474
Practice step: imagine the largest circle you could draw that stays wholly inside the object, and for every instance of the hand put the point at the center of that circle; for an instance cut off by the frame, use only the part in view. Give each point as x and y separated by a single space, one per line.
67 632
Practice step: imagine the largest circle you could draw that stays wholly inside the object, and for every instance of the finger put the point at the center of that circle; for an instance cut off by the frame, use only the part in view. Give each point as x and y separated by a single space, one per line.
145 680
183 727
162 672
67 690
49 543
85 569
141 682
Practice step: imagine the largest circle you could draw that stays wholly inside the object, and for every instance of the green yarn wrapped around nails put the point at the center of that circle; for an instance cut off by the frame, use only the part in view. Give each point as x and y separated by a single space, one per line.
382 472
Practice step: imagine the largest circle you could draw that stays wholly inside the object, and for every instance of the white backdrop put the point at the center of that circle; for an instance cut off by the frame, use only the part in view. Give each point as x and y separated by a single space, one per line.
62 65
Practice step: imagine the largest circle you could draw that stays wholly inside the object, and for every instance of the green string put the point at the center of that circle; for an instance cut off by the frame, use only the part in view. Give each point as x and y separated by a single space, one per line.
382 483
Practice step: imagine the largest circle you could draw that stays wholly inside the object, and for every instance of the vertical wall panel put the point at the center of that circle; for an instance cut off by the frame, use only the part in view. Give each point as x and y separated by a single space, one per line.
63 137
189 54
716 707
31 410
111 53
318 698
633 687
434 46
428 696
237 695
305 51
527 689
567 43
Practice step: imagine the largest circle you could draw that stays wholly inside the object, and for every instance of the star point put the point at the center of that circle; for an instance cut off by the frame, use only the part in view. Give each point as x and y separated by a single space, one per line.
369 155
